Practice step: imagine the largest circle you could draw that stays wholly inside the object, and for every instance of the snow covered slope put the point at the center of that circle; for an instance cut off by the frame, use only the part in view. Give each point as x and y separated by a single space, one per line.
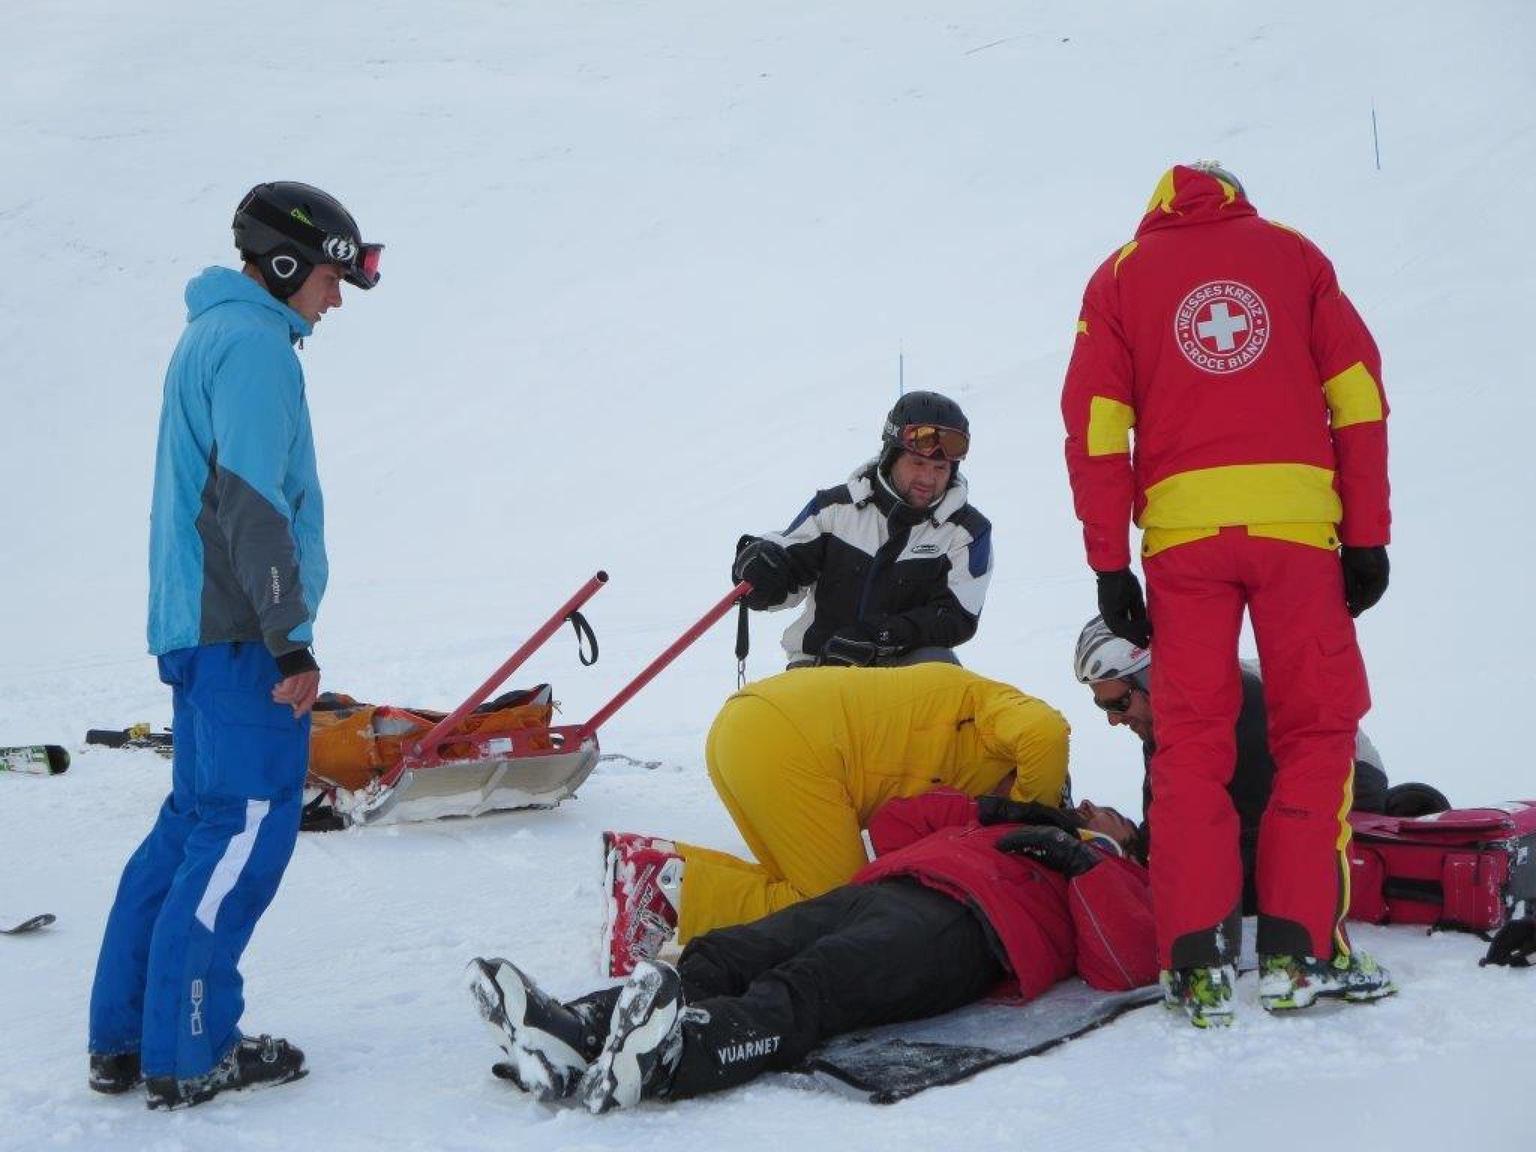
650 270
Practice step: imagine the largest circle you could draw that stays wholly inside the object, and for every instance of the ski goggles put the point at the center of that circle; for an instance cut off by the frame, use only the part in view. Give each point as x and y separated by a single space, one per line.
363 271
934 440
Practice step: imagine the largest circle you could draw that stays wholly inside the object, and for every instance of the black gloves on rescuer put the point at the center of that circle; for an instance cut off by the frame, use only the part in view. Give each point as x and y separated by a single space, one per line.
1123 608
766 565
1059 851
1004 810
860 645
1365 576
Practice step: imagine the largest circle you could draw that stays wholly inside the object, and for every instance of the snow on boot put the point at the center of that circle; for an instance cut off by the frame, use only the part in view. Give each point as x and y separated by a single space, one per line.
1288 983
255 1062
643 879
548 1045
115 1072
645 1040
1203 994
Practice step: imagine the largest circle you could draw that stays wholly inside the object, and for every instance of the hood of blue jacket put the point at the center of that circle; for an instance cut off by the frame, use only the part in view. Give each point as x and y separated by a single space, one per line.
215 286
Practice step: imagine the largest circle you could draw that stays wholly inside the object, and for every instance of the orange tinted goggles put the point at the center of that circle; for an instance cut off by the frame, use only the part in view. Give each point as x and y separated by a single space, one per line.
934 440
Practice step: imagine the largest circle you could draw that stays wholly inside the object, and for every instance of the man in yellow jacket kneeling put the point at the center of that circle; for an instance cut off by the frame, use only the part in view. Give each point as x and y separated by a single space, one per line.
801 761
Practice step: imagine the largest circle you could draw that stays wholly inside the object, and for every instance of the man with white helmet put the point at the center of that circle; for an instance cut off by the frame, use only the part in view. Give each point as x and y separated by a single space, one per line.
1120 674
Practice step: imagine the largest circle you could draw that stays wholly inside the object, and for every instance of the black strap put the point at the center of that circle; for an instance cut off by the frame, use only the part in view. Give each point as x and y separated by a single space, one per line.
743 643
743 632
285 222
584 637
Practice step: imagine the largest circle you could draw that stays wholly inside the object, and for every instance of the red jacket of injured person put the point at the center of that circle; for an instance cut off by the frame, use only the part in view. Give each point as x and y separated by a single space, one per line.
1098 925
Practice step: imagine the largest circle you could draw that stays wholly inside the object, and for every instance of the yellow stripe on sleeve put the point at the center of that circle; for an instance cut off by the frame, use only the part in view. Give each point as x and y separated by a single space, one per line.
1109 427
1353 397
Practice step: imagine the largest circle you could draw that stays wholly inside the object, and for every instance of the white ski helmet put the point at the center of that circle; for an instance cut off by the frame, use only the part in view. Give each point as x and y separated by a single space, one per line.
1101 655
1219 170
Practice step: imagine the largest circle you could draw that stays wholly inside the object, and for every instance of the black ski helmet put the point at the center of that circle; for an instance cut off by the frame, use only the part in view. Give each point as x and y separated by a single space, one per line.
919 408
285 228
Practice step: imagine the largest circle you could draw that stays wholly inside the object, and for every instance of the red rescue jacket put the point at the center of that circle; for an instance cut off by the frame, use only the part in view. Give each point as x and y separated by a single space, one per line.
1252 383
1098 925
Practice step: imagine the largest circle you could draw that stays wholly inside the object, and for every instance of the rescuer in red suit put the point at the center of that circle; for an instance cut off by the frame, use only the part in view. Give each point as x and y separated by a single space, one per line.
1259 480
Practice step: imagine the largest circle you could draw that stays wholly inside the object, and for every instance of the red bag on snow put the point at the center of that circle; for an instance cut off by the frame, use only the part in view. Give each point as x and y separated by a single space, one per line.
1468 868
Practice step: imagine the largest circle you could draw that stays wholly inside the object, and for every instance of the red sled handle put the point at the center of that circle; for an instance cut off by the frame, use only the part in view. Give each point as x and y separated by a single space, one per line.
423 752
672 652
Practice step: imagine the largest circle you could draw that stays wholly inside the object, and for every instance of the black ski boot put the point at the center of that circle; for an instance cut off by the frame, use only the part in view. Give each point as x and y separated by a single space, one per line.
645 1041
255 1062
549 1044
115 1072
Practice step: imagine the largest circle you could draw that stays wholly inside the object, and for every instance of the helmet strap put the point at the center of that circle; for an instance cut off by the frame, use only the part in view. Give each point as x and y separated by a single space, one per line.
284 271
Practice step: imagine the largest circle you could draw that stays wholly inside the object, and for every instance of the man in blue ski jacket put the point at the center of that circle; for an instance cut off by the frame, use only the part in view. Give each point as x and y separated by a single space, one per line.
237 568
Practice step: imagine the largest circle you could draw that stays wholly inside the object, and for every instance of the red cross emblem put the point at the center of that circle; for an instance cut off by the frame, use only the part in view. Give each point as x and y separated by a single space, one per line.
1222 327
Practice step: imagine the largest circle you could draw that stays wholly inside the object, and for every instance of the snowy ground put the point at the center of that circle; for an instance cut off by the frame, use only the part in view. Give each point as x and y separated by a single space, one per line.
650 269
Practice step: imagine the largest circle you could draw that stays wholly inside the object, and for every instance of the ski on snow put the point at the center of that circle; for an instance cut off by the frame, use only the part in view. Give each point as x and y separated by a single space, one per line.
35 759
29 925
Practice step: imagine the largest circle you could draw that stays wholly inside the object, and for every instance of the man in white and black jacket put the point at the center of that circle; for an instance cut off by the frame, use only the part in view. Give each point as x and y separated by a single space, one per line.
892 566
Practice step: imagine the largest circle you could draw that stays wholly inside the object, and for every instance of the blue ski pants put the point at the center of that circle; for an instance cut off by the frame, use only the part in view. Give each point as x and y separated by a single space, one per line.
168 980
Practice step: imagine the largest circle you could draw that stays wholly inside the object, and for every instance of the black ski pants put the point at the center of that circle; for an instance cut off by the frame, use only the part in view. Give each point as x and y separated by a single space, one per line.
763 995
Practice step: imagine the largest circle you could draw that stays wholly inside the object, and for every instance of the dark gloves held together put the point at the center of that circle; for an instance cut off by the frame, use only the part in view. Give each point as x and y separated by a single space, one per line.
1058 850
1514 945
1365 576
766 565
1123 607
1003 810
860 645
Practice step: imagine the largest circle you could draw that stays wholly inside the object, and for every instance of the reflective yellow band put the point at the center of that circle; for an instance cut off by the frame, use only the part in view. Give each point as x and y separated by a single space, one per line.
1082 327
1341 847
1354 397
1109 427
1243 494
1163 194
1124 253
1324 536
1155 540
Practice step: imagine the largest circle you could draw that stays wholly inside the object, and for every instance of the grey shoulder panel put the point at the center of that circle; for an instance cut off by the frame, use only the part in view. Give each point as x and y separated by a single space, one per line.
251 586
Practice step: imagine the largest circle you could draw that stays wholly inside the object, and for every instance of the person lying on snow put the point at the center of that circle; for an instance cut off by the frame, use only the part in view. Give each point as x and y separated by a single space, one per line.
802 761
967 898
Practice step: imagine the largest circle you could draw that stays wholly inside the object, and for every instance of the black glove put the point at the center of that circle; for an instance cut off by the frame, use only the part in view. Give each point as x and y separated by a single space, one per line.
1123 608
766 565
854 646
1058 850
1514 945
1365 576
1002 810
894 634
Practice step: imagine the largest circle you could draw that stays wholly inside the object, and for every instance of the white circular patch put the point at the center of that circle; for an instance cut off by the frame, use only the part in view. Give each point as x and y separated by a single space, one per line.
1222 327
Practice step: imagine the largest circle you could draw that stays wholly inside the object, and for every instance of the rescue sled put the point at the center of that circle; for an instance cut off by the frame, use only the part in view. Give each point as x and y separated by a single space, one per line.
456 770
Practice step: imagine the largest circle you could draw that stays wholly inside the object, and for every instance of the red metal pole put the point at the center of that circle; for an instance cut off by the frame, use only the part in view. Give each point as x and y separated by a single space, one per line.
425 749
656 665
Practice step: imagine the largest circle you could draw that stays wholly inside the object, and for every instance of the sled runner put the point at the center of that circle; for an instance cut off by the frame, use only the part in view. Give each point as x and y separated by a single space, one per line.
476 760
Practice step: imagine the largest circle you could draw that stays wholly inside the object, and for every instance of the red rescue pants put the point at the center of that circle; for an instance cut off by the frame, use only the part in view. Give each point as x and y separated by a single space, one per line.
1315 692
